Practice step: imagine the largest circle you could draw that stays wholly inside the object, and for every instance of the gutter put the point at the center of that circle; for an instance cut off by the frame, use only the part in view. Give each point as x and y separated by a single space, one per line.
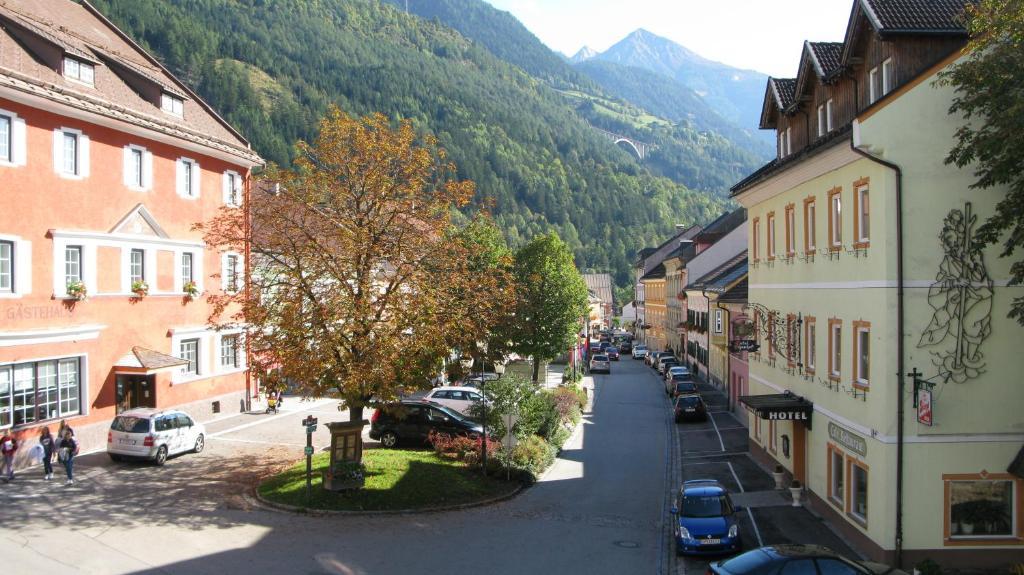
855 143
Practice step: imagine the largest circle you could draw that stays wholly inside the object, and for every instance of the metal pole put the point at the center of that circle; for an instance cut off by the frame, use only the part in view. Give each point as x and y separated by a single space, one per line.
309 465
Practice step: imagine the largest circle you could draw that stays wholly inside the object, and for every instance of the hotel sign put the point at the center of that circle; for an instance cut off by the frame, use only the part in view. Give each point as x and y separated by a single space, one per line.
849 440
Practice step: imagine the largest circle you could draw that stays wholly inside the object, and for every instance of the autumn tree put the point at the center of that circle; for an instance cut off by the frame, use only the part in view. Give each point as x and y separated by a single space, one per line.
551 299
357 289
989 95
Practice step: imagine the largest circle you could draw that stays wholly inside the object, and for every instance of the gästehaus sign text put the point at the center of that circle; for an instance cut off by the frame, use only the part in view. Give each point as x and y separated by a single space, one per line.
851 441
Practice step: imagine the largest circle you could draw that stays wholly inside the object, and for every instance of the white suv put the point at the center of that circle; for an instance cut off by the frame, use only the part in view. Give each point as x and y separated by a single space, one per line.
460 399
639 351
154 434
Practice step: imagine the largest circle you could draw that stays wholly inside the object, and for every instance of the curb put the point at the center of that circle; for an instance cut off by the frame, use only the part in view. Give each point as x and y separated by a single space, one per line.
270 505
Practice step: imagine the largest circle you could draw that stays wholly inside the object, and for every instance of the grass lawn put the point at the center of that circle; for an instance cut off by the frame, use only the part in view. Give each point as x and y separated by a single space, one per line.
395 479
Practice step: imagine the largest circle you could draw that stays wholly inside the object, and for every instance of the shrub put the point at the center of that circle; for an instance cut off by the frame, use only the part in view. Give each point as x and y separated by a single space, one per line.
538 415
567 404
560 436
928 567
465 449
533 454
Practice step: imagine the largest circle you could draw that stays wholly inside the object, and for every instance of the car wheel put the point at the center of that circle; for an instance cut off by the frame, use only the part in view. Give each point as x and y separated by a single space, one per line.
389 439
161 455
114 457
200 444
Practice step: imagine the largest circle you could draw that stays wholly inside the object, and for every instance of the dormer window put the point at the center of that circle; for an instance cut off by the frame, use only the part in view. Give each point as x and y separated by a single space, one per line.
79 70
888 76
172 104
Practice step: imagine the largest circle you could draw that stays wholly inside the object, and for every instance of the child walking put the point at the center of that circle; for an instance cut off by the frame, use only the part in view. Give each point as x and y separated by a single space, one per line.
8 445
47 442
66 451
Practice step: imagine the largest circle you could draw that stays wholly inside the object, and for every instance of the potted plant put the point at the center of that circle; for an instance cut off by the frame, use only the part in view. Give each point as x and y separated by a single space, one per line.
191 289
140 288
779 475
76 290
795 489
345 475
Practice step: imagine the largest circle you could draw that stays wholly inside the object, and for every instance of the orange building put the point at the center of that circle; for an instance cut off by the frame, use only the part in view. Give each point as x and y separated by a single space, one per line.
106 162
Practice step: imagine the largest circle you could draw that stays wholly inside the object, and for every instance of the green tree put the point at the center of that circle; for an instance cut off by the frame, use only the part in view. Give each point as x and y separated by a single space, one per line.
989 88
552 297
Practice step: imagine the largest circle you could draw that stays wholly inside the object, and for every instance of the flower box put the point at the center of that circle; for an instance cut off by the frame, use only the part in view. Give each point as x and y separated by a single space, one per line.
140 288
191 289
76 290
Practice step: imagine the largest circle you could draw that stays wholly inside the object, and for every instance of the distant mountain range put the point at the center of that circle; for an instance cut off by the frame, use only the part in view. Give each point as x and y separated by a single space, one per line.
585 53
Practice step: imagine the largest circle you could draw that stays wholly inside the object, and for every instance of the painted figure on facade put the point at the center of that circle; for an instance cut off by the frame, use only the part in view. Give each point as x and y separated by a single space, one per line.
962 299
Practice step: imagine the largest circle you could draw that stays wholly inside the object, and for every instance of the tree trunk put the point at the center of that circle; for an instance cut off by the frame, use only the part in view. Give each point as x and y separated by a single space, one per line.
536 370
356 407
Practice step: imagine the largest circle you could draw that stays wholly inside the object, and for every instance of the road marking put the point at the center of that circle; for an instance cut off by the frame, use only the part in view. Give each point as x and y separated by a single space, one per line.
720 442
263 420
736 477
707 454
760 543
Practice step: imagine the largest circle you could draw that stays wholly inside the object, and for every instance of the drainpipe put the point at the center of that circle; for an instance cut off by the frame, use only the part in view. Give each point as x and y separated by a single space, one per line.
707 331
900 403
728 355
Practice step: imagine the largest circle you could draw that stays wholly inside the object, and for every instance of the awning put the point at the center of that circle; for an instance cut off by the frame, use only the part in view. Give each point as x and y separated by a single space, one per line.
146 361
780 407
1017 465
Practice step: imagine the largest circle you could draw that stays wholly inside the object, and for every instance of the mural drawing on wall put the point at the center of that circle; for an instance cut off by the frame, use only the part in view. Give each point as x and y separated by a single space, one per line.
962 299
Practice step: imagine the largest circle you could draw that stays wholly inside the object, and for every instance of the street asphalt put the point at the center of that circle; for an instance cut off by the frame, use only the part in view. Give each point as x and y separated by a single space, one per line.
600 509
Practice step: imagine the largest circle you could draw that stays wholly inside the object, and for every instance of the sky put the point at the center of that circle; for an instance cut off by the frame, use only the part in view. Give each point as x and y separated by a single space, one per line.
761 35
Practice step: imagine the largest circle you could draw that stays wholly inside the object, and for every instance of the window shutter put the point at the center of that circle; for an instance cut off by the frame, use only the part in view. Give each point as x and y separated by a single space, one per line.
147 170
225 188
128 168
58 150
18 155
23 267
196 179
179 177
83 156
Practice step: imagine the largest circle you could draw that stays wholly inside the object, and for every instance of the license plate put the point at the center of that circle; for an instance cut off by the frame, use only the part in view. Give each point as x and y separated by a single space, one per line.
690 410
710 541
126 441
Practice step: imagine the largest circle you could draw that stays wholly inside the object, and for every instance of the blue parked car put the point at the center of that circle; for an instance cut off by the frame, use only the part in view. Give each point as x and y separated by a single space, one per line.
704 522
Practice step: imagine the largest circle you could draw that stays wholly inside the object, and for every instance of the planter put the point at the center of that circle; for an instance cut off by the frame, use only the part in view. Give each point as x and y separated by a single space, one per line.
780 479
140 288
796 493
77 291
341 482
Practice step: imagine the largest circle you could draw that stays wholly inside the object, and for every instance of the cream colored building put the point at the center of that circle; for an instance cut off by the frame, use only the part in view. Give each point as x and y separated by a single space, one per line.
864 268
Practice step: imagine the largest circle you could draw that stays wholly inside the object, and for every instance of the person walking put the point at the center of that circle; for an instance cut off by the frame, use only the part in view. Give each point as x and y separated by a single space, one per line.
48 443
8 446
67 449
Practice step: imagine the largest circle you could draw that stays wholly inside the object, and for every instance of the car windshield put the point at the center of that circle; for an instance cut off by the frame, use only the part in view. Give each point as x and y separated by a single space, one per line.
689 401
704 506
129 424
600 358
640 348
751 562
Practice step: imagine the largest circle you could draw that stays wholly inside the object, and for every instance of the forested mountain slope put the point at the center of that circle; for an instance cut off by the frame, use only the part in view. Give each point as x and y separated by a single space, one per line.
271 69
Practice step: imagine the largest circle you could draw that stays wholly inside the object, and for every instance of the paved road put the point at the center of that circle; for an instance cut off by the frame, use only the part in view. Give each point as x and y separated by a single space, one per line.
600 509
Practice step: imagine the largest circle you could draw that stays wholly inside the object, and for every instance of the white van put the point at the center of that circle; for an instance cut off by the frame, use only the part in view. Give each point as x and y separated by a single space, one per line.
460 399
154 434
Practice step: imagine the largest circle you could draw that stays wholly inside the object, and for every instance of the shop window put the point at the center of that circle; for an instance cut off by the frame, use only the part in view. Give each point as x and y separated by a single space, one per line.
39 391
858 491
981 508
836 475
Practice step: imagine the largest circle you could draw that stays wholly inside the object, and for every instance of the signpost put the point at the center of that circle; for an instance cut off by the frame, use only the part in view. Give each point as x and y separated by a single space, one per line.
310 424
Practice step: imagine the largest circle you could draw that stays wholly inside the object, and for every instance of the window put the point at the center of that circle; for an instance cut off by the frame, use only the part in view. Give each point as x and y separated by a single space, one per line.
172 104
190 353
784 143
874 86
232 189
858 501
861 213
138 167
828 114
70 153
981 508
836 475
810 227
835 341
790 231
835 219
38 391
718 321
773 444
231 273
792 340
789 148
821 120
6 267
186 268
888 76
229 351
188 180
861 353
6 139
189 167
771 235
810 348
72 264
79 70
137 266
757 239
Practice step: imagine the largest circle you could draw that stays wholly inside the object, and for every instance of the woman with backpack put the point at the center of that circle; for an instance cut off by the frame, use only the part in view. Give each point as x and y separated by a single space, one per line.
47 442
8 446
67 449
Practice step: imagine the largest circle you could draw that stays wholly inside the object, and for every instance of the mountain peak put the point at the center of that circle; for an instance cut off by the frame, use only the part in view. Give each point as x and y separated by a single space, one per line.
585 53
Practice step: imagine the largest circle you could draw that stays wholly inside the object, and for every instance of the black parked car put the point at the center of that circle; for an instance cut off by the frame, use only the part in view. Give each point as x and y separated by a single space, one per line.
690 407
413 420
797 558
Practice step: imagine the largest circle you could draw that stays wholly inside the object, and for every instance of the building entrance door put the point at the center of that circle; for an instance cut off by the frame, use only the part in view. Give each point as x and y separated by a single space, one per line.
135 391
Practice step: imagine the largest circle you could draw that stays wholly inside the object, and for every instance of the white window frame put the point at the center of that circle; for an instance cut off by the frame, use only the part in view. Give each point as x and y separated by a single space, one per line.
226 181
1014 518
812 348
789 147
888 76
771 236
835 362
812 225
16 155
141 276
864 215
172 104
790 230
239 352
863 335
190 190
78 70
21 270
81 153
829 109
874 85
7 260
197 269
145 182
198 341
207 366
82 376
719 324
835 211
821 120
239 272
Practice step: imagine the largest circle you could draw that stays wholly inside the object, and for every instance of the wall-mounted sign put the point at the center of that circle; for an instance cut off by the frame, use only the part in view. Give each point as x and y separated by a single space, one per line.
847 439
738 345
924 406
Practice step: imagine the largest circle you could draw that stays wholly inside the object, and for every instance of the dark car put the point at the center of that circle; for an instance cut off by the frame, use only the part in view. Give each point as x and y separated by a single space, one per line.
798 558
704 519
413 420
680 386
612 352
690 407
626 346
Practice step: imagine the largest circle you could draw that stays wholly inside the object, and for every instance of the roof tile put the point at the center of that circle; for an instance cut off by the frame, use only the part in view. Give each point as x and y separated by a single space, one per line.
917 15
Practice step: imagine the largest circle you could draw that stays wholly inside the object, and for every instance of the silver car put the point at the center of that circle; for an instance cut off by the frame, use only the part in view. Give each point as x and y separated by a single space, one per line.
600 362
154 434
